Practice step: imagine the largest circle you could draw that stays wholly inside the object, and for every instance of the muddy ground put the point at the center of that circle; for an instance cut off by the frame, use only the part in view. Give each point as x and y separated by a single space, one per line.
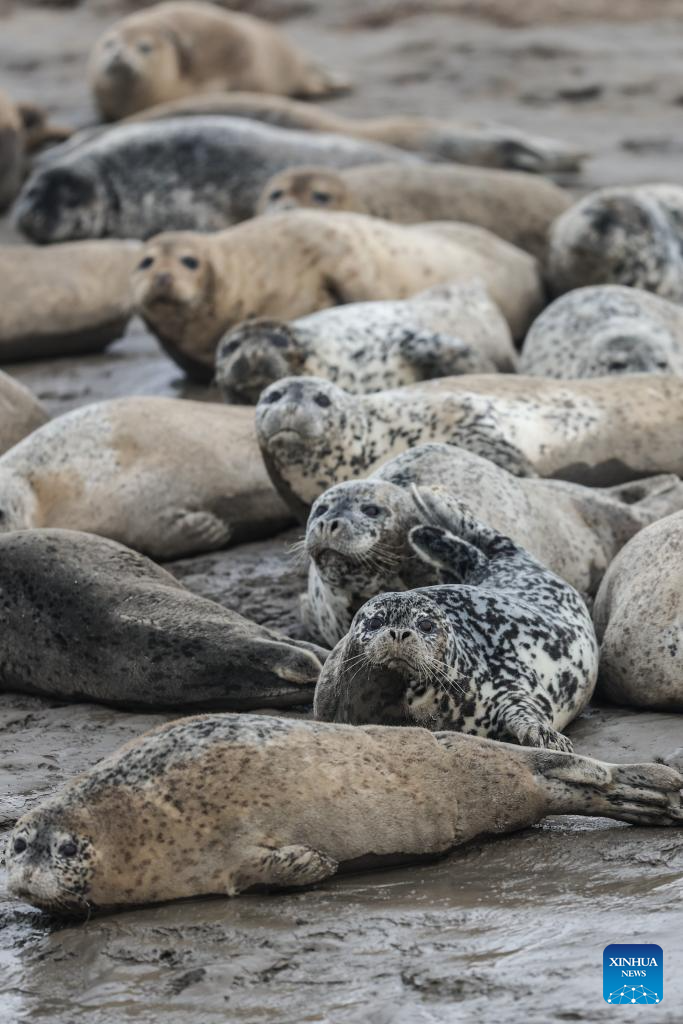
507 931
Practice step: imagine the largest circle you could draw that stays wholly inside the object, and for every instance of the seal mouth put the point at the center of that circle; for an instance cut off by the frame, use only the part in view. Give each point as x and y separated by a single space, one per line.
286 437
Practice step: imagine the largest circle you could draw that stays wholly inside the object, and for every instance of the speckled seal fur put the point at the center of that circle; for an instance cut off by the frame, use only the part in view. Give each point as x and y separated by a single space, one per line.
190 288
314 434
519 207
603 330
218 804
20 413
503 648
165 477
631 235
638 617
84 618
199 174
369 346
357 536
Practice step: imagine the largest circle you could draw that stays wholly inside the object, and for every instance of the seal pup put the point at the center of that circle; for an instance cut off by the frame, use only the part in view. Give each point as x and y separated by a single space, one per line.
67 302
638 615
20 412
190 288
84 618
178 49
602 330
439 139
630 235
164 476
357 532
217 804
517 206
199 174
313 434
369 346
505 649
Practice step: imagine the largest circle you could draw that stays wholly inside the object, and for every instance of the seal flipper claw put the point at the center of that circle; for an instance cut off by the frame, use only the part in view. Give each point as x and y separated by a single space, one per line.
457 559
290 865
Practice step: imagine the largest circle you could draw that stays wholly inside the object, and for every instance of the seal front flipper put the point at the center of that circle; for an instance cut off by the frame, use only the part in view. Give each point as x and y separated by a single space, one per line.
295 662
282 866
457 560
182 531
440 508
529 724
441 355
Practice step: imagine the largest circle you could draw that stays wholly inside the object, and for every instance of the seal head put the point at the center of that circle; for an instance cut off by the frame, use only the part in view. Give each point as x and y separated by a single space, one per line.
255 354
50 859
63 202
629 351
310 187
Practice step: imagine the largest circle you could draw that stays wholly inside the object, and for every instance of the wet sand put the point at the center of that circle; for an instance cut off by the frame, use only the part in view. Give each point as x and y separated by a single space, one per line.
510 930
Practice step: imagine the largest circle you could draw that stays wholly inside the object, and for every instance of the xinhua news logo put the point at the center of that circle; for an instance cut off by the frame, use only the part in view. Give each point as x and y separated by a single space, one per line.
633 973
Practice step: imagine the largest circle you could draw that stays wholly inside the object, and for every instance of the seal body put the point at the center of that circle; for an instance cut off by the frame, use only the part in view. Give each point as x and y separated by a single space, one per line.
638 618
628 235
75 301
20 412
519 207
602 330
507 650
199 174
164 476
84 618
314 434
368 346
12 151
357 532
217 804
191 288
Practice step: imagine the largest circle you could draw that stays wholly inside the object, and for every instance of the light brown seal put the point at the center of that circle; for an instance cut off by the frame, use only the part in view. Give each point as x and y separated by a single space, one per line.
177 49
516 206
20 412
24 128
166 476
217 804
190 288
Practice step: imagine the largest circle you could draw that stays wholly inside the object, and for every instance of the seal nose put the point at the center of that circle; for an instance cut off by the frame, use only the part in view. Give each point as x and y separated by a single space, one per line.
164 280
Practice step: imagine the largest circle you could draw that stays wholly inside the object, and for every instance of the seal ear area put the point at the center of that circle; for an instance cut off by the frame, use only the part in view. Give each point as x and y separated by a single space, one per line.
458 560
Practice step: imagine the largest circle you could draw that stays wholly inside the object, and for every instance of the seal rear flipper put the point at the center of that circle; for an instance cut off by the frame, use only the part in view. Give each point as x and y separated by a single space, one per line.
457 560
283 866
441 355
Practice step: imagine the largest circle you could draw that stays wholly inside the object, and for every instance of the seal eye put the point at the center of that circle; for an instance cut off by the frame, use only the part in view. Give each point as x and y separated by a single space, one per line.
425 626
277 194
232 346
147 262
375 623
322 198
145 47
370 510
67 849
274 396
2 514
190 262
322 400
20 845
320 511
279 341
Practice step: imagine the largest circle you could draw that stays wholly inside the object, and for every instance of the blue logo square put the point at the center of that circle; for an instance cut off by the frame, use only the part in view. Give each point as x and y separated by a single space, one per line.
633 973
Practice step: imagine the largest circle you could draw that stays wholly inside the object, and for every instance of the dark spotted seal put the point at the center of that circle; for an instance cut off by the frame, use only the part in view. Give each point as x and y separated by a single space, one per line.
603 330
216 804
357 536
505 650
84 618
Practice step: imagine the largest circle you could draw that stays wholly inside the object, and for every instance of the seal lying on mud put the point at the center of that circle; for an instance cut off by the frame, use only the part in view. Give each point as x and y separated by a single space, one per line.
164 476
630 235
357 532
20 413
64 303
314 434
84 618
638 618
605 329
178 49
441 139
506 650
369 346
190 288
199 174
518 207
216 804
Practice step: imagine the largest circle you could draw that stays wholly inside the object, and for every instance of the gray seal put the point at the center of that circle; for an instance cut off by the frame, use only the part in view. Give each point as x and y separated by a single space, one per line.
84 618
200 174
218 804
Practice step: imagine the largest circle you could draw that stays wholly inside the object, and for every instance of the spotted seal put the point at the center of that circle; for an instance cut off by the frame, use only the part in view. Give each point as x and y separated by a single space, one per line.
505 649
357 532
85 618
630 235
517 206
200 174
20 412
164 476
638 614
369 346
602 330
216 804
190 288
314 434
64 303
177 49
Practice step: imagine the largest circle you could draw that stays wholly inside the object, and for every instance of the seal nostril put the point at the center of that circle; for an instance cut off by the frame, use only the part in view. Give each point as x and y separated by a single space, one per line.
393 634
406 634
334 525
